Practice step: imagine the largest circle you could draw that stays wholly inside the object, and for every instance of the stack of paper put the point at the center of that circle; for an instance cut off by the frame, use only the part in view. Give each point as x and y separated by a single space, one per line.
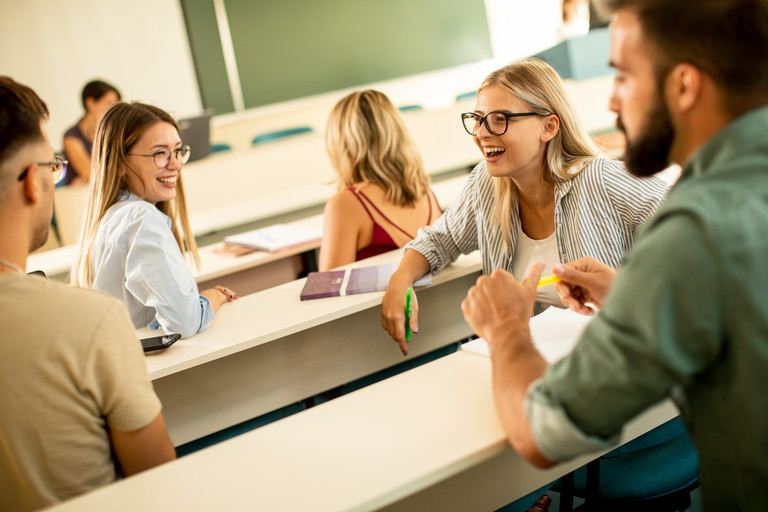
275 238
554 333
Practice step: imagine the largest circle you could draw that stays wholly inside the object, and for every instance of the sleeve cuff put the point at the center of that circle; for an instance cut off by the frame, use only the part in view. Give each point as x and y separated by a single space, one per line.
207 315
426 249
556 436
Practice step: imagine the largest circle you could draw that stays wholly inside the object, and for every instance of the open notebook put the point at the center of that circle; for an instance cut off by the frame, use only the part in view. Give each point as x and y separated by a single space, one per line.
336 283
554 333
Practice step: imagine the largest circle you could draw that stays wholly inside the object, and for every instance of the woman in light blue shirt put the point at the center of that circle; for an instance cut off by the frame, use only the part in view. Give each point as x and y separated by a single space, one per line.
136 230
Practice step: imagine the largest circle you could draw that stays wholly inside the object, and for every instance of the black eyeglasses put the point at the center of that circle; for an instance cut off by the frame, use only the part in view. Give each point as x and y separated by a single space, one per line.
496 122
162 157
58 168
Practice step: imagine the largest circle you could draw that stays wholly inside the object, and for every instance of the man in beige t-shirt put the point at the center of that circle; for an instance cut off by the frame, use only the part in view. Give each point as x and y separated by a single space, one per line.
76 407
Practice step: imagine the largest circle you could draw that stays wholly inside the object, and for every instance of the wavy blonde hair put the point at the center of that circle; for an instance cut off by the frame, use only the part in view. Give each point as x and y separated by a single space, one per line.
367 141
118 131
567 153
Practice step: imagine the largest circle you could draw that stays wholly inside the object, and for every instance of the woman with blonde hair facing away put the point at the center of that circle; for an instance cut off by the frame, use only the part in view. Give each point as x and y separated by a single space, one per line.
384 195
542 192
136 229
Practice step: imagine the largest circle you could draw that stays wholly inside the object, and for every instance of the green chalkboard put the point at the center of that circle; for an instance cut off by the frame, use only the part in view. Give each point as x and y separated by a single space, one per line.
288 49
205 43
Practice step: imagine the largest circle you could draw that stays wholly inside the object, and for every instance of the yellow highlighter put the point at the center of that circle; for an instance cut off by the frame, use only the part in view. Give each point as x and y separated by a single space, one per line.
544 281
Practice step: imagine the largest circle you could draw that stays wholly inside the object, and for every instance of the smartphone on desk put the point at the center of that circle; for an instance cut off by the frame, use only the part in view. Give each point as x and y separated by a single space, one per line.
157 343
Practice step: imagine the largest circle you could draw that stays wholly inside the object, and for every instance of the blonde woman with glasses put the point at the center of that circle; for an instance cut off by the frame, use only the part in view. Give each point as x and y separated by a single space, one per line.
136 230
542 192
384 195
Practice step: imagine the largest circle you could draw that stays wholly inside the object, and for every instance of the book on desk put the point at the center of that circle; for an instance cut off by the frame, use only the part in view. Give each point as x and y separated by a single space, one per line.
274 238
336 283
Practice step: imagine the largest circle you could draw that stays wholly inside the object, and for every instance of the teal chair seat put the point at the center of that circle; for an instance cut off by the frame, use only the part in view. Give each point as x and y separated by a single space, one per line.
281 134
656 471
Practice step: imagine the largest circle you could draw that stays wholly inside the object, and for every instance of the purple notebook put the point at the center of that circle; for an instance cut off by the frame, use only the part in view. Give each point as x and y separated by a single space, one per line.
337 283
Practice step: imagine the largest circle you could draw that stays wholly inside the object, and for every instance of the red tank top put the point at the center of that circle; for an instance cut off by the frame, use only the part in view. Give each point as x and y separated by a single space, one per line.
381 242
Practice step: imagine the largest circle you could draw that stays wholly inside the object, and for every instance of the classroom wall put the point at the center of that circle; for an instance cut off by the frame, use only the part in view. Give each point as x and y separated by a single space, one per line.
141 46
57 46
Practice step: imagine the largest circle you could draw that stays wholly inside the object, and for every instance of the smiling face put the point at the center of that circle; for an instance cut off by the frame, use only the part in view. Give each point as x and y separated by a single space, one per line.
519 152
143 177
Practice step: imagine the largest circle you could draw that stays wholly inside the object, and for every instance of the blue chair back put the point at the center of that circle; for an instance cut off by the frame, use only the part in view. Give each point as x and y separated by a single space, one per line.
408 108
280 134
466 96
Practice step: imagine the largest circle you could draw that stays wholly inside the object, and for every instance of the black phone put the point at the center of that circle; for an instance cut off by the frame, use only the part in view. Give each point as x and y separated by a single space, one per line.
159 342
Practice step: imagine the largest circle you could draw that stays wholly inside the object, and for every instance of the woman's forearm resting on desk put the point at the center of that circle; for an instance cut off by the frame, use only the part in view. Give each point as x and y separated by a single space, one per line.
218 296
412 266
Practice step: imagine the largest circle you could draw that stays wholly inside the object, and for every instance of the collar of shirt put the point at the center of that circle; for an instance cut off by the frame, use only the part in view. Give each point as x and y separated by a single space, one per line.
743 134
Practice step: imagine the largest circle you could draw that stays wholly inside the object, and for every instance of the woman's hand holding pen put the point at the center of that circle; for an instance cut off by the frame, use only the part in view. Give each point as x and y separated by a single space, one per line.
393 310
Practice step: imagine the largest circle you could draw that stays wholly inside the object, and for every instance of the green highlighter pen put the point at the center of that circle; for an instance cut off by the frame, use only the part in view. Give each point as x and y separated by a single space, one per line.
408 314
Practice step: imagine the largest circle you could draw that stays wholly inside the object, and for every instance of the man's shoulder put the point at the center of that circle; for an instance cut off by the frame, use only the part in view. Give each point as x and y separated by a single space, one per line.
65 298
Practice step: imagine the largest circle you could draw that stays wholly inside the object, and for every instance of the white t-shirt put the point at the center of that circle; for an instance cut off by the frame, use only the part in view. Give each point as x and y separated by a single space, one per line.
528 252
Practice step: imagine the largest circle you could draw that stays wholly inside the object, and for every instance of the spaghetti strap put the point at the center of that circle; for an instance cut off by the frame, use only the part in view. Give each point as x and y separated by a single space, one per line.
360 193
354 193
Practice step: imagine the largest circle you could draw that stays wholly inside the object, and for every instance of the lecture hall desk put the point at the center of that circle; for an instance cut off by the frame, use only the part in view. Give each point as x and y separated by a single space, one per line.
237 189
270 349
245 274
427 439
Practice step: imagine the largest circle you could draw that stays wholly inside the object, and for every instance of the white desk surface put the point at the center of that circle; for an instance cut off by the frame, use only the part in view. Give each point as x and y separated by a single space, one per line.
243 186
427 439
270 349
56 263
284 176
278 312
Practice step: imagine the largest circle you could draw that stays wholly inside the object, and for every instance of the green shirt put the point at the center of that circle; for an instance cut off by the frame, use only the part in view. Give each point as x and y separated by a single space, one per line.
687 318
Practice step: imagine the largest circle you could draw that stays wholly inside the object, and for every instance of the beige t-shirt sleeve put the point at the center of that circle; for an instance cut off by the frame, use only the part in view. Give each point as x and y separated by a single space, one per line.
116 374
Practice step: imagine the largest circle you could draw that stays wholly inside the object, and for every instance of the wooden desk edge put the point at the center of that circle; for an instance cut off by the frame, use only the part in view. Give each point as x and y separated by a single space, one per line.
465 265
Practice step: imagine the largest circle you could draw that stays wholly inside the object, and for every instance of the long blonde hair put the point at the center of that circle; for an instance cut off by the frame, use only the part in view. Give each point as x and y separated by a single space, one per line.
567 153
367 141
118 131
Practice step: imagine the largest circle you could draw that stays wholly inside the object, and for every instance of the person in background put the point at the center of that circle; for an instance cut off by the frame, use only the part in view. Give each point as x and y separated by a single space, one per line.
543 191
685 318
384 195
136 229
76 407
97 97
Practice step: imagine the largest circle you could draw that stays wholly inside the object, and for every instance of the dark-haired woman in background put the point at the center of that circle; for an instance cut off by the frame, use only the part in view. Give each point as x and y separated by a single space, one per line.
97 96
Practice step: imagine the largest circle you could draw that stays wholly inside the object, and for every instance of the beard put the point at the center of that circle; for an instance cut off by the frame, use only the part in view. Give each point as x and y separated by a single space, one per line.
43 224
648 153
40 235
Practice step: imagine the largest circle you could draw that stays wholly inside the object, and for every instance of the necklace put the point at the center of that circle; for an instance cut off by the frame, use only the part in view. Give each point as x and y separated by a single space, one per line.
11 265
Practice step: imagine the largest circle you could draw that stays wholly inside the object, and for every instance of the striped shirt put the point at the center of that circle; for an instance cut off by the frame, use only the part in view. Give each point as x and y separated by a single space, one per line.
136 259
597 213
